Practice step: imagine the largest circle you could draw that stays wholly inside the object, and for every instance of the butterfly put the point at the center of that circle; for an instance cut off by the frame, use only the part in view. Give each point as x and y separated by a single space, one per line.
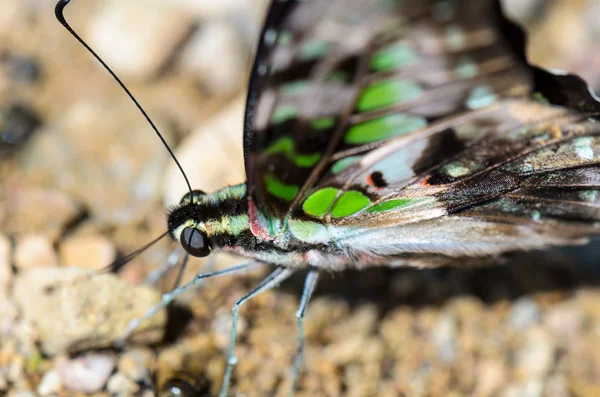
392 133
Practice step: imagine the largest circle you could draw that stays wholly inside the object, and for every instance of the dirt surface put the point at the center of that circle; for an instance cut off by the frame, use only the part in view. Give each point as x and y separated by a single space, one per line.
84 181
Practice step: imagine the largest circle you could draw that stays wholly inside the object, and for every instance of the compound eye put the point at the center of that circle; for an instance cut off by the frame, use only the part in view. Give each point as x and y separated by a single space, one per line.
194 242
187 198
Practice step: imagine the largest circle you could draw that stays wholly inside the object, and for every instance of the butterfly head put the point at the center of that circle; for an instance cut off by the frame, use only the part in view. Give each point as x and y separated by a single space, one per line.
202 221
186 224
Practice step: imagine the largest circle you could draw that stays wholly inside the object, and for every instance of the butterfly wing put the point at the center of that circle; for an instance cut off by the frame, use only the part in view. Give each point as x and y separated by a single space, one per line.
415 124
333 75
527 177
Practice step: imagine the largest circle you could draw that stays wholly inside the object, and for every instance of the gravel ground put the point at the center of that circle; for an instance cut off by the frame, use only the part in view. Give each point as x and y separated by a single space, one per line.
85 182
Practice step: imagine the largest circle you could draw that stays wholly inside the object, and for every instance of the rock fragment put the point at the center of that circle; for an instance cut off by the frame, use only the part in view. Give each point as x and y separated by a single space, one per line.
71 314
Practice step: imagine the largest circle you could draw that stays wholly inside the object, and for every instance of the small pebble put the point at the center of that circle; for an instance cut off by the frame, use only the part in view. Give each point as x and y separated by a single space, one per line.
87 373
135 364
346 350
137 40
565 321
5 268
34 250
42 211
90 252
22 393
536 356
120 384
527 389
524 313
491 377
9 315
444 337
17 124
15 368
50 383
21 68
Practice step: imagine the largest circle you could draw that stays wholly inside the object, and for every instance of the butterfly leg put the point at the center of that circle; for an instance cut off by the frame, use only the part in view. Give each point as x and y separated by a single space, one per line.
272 280
170 296
171 262
210 264
182 269
310 284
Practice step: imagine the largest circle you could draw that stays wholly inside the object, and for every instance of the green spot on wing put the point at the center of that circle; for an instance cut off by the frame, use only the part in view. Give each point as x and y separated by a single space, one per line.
383 128
455 37
338 76
466 68
286 146
313 50
455 170
392 57
319 202
283 113
307 160
279 189
282 145
322 123
344 163
350 203
480 97
284 38
294 87
390 205
382 94
308 231
583 147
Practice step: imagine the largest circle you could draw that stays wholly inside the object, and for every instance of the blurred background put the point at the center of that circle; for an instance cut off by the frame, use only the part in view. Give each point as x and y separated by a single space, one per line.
83 180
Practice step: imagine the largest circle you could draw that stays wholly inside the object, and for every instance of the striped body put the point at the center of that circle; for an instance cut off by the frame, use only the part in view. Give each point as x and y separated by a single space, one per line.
223 217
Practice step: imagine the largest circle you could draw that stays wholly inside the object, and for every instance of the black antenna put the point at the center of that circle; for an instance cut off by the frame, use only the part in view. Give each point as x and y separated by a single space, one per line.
58 11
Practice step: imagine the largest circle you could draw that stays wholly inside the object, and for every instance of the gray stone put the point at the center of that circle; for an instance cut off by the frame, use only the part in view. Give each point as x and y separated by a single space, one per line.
72 314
